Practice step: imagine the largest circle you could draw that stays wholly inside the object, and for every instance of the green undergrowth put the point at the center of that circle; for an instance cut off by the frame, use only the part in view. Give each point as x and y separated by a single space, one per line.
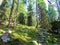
22 34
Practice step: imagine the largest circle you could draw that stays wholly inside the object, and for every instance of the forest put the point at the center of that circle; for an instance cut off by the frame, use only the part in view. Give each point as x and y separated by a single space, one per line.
29 22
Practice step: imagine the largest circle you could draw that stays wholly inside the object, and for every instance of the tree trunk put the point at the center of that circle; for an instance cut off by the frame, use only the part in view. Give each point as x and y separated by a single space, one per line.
36 14
29 20
10 17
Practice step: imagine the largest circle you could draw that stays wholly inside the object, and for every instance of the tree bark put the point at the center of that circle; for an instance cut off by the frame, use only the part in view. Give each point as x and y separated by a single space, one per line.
10 17
36 14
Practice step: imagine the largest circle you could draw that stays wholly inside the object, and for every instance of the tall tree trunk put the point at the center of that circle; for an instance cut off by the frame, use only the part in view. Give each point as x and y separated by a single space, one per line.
16 13
36 15
10 17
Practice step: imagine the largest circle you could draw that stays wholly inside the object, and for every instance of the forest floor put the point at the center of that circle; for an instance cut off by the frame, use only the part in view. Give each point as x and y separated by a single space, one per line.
23 35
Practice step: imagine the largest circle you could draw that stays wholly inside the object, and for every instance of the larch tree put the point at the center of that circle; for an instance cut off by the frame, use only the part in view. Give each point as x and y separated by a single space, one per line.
37 12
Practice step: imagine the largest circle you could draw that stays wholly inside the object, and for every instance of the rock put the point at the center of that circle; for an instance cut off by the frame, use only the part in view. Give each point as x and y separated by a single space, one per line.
55 44
5 37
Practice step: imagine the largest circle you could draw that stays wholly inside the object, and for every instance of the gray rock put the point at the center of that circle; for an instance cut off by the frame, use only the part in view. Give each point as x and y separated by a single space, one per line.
4 38
55 44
